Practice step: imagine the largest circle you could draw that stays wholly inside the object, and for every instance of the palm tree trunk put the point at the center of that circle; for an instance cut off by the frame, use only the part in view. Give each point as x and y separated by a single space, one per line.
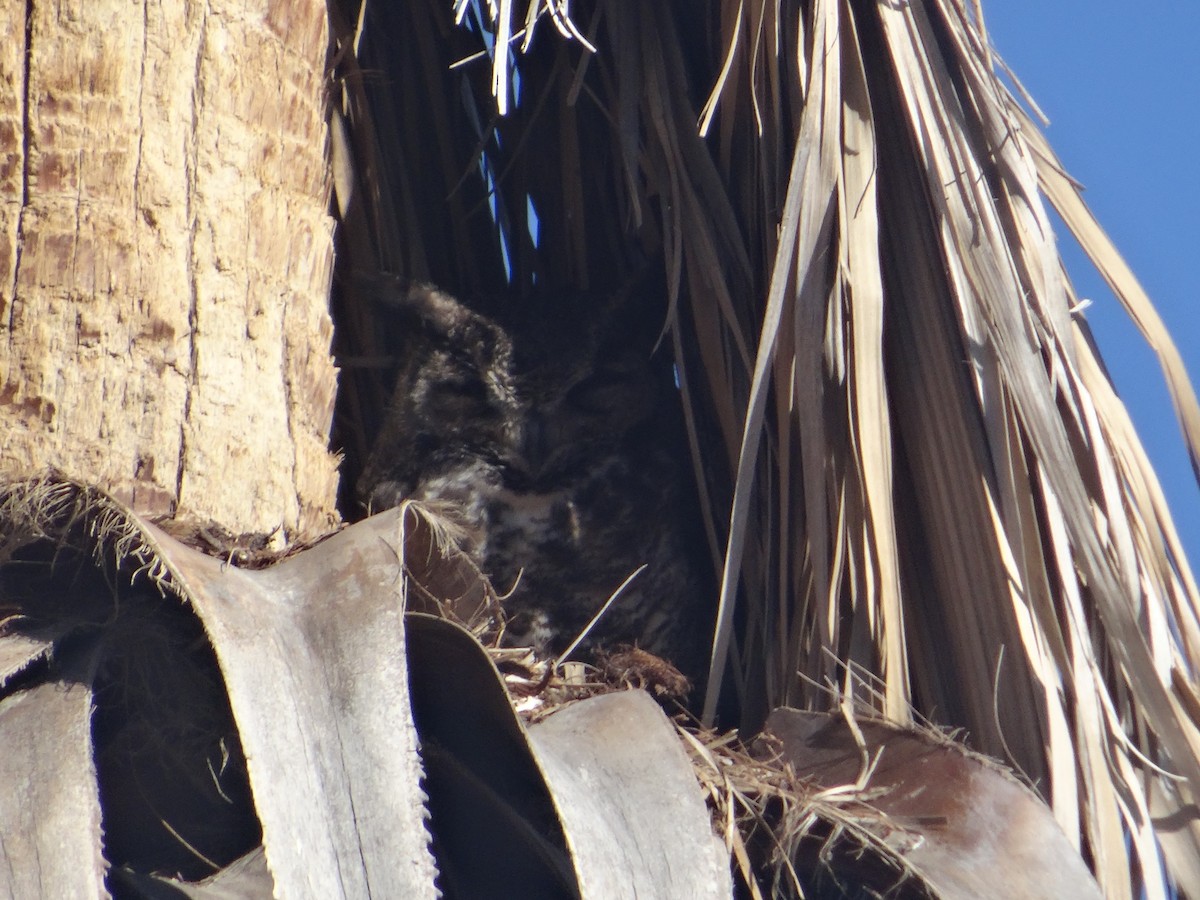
165 257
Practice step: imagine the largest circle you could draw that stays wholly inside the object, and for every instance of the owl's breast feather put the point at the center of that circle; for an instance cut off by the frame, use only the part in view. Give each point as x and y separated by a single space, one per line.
532 520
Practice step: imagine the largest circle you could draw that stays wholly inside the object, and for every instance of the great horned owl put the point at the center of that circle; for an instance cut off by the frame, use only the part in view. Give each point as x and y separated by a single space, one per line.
559 440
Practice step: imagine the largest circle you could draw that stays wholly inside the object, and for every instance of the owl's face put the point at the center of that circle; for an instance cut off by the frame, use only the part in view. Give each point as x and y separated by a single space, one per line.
524 399
580 390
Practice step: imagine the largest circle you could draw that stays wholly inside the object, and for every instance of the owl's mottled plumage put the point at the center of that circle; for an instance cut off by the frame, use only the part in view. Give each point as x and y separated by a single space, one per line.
550 428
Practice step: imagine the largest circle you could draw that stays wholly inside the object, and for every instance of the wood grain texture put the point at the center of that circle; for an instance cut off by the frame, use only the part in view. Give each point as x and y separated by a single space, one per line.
313 656
165 256
51 814
654 841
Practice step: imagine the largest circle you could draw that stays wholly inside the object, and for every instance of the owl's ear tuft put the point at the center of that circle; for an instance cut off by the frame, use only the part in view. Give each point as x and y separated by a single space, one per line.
447 320
436 309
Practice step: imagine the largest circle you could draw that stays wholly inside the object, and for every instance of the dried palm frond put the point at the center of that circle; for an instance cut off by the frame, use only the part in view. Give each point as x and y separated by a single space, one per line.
1000 528
910 457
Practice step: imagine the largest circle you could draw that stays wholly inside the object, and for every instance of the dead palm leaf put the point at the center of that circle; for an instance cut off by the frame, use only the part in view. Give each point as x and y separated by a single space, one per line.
913 460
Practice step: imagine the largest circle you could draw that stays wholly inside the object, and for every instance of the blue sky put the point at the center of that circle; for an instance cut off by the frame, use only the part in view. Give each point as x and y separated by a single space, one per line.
1120 83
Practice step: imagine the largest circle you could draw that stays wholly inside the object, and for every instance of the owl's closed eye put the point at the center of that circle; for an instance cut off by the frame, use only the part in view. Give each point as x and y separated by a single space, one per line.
609 393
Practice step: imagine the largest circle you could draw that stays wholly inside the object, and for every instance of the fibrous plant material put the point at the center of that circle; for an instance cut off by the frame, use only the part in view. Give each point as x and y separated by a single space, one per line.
313 667
208 680
912 459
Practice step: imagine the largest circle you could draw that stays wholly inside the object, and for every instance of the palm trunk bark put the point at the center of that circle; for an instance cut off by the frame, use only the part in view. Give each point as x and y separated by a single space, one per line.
165 255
